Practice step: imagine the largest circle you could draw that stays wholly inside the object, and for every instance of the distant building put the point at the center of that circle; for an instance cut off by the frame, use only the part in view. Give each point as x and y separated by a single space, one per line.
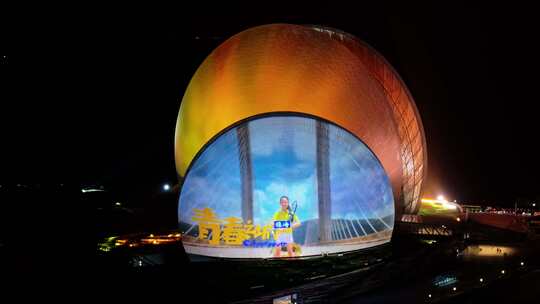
283 113
472 208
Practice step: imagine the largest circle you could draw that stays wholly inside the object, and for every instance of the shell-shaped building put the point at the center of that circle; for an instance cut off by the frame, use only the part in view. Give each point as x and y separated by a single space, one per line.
329 93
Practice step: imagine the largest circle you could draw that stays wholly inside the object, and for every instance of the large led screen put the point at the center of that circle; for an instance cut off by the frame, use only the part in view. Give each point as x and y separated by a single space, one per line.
284 186
431 207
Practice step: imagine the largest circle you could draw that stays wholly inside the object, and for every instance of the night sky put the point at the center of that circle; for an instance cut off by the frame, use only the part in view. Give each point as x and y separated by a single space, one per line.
92 96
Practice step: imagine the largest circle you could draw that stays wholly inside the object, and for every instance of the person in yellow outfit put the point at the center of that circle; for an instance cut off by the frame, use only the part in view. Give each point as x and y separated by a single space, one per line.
284 223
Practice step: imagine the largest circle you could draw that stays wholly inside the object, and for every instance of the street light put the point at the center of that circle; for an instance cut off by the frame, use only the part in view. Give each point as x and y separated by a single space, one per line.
166 187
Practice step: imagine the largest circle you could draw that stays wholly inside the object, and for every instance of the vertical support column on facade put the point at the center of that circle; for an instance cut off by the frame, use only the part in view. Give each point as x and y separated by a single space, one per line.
323 182
246 172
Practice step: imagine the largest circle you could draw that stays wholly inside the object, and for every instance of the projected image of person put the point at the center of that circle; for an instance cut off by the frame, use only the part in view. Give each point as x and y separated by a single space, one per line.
245 195
285 220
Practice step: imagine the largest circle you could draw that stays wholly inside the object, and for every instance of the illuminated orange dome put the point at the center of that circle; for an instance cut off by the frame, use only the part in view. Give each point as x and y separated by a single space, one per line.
315 71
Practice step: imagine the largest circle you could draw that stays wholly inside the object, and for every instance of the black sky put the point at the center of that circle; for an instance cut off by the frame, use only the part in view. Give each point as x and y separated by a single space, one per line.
93 95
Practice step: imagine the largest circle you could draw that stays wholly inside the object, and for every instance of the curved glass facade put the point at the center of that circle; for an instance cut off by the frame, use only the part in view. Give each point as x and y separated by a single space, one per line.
412 150
231 203
312 70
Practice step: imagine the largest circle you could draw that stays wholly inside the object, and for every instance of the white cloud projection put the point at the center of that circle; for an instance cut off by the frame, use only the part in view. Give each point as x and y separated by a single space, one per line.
283 160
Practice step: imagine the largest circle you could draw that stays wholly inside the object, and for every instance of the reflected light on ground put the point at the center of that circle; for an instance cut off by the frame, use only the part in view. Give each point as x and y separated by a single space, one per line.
488 251
133 241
